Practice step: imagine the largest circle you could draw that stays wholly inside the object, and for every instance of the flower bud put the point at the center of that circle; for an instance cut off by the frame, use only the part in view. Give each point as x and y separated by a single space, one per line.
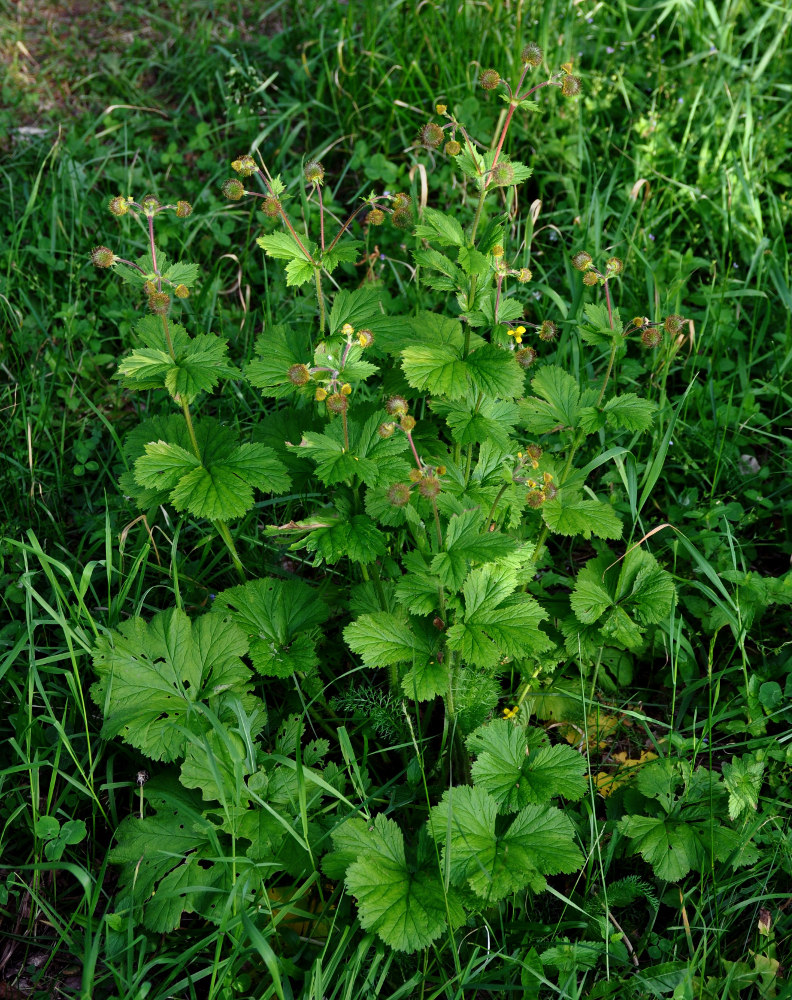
613 266
244 166
347 329
397 406
314 172
489 79
183 209
181 292
440 109
639 322
346 389
651 336
571 86
119 205
299 374
407 424
399 495
673 324
591 278
548 331
375 217
430 135
365 338
502 174
526 357
337 403
452 148
320 394
150 205
271 207
532 55
386 430
233 189
159 302
582 261
429 487
103 257
524 275
497 251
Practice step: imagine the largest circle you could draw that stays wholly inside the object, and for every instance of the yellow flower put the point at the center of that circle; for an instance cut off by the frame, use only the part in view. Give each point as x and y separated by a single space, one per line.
440 109
510 713
321 394
347 329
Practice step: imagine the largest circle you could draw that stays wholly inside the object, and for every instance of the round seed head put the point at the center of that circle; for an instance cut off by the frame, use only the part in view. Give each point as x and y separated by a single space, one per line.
233 189
429 487
397 406
526 356
430 135
159 303
673 324
651 336
244 166
119 205
150 204
181 292
570 86
548 331
399 495
550 491
103 257
452 148
337 403
524 275
489 79
400 200
407 424
386 430
534 452
532 55
581 260
271 207
535 499
416 475
590 278
375 217
613 266
183 209
502 174
299 375
402 218
314 172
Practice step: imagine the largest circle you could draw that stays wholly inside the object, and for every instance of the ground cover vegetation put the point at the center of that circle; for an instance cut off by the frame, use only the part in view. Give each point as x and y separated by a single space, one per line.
395 556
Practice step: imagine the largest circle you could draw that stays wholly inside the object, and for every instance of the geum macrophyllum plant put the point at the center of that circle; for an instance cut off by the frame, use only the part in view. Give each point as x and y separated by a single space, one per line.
442 509
197 466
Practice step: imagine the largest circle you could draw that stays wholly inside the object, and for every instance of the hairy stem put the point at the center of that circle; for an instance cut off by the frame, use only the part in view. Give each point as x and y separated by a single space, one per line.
320 299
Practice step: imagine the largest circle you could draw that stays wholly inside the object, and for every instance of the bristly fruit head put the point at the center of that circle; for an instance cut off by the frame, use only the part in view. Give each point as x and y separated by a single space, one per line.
387 429
452 148
673 324
103 257
533 452
375 217
570 86
502 174
397 406
159 303
402 218
399 495
314 172
407 424
181 292
119 205
489 79
183 209
582 260
532 55
651 336
233 189
526 357
613 266
548 331
244 166
271 207
337 403
429 487
524 275
150 205
535 499
299 375
430 135
365 338
591 278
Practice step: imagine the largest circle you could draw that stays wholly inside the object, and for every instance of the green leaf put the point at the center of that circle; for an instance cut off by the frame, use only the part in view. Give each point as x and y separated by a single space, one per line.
155 677
425 680
496 625
278 350
299 272
465 543
182 273
473 261
169 860
436 330
282 246
358 539
217 765
436 370
348 251
358 308
494 420
557 405
418 591
630 412
516 775
743 778
442 275
404 905
437 227
281 619
495 861
577 515
381 639
671 847
495 372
